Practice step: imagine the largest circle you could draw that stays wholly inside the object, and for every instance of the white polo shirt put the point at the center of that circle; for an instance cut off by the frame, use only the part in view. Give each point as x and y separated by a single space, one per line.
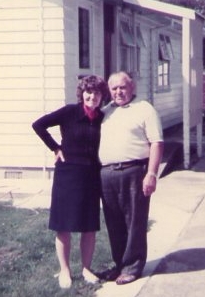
127 131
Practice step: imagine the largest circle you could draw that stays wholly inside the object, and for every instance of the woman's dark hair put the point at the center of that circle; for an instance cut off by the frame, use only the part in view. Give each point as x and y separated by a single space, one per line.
92 83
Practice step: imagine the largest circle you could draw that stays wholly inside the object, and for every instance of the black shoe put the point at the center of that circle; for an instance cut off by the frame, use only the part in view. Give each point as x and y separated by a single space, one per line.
109 274
126 278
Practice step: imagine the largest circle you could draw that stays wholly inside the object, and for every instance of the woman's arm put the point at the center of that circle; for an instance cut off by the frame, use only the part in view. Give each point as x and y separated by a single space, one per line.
41 125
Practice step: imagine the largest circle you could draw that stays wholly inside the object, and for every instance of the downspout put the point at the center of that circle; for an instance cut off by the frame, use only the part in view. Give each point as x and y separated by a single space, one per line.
186 91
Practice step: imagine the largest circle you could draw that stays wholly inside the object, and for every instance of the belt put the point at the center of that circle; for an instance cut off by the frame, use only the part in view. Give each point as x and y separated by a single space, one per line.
124 165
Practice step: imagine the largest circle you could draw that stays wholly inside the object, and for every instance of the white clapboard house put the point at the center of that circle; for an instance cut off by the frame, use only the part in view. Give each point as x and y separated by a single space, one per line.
46 45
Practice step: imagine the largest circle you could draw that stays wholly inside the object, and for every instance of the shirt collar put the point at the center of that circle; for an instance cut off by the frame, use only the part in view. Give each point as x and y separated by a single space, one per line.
83 116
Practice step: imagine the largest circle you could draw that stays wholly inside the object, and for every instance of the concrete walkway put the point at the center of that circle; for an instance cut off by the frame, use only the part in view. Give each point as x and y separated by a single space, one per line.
179 198
26 193
176 241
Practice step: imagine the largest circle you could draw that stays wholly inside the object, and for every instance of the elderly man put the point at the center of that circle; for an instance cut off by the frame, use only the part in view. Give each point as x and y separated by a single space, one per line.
130 152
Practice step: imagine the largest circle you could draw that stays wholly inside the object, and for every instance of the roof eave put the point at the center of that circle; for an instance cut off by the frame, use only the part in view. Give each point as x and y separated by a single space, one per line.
163 7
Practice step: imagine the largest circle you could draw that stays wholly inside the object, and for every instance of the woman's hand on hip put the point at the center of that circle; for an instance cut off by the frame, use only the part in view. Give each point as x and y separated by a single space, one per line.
59 156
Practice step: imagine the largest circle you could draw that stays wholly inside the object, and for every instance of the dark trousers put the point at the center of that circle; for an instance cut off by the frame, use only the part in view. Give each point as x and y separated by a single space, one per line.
126 214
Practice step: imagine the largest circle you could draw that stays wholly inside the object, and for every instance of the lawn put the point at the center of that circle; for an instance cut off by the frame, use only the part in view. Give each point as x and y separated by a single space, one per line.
28 261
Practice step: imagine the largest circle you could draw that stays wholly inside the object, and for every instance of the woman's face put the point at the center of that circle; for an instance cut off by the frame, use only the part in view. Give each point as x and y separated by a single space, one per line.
92 98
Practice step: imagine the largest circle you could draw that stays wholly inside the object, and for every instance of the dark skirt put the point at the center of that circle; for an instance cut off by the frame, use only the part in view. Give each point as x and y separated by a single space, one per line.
75 204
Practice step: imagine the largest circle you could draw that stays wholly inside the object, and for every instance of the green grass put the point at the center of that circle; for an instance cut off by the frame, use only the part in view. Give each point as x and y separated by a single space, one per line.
28 261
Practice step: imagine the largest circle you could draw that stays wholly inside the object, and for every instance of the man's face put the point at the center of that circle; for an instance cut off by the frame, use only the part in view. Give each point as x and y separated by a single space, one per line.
121 90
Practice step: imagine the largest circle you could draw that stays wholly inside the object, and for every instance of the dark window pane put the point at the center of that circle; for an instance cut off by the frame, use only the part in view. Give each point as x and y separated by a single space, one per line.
126 34
84 46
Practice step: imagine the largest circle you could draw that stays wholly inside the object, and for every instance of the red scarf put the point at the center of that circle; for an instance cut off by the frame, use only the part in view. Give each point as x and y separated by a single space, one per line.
91 113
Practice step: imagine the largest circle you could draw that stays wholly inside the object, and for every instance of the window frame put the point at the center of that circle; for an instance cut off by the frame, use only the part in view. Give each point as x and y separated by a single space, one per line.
163 75
165 47
84 38
165 55
130 43
127 46
139 44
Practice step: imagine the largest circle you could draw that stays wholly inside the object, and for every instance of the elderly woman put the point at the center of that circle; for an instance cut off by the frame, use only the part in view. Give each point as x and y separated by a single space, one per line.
76 183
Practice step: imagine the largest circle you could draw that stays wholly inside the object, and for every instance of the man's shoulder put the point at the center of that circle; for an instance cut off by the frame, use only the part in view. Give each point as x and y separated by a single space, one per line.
107 107
135 103
145 108
142 103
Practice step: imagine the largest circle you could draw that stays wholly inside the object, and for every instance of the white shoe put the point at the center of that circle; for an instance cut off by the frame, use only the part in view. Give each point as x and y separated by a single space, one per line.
89 277
64 280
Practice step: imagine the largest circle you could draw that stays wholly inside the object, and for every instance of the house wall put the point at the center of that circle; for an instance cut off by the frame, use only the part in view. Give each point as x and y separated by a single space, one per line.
71 44
144 77
21 79
39 69
170 103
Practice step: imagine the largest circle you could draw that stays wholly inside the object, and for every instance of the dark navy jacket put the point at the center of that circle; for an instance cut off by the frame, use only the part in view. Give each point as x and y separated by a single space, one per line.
80 135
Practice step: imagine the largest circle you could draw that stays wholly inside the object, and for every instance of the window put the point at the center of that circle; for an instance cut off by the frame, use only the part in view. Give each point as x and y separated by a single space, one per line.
127 47
126 34
163 75
165 54
131 43
139 37
84 38
139 44
165 47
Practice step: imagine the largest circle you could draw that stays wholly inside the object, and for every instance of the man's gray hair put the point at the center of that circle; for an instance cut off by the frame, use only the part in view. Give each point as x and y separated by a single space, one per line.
122 74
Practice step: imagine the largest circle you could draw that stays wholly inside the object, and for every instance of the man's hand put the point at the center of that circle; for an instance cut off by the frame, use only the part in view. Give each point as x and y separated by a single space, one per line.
149 184
150 180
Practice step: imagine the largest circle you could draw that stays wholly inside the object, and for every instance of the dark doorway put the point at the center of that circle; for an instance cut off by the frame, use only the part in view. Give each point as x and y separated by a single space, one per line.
108 31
